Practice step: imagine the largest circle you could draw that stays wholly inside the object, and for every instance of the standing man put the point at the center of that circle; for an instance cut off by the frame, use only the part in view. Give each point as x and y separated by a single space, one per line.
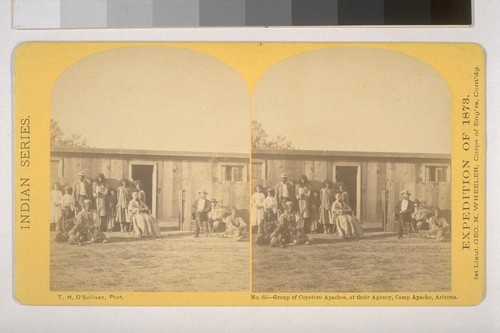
82 190
285 191
403 211
199 211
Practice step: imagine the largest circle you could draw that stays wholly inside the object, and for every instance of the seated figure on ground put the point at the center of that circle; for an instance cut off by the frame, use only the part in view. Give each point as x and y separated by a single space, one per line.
235 225
86 228
438 226
290 229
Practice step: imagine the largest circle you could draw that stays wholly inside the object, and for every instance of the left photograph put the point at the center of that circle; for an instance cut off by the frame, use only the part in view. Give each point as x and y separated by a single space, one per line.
149 173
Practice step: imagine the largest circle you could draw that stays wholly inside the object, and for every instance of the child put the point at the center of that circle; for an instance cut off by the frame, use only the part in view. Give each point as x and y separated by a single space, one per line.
258 199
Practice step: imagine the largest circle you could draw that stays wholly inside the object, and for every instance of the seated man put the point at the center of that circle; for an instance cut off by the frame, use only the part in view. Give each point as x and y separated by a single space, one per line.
235 226
85 228
199 211
419 217
216 217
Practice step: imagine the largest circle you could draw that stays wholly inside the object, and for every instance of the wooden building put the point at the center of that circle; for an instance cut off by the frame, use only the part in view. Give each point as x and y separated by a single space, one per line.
171 179
374 180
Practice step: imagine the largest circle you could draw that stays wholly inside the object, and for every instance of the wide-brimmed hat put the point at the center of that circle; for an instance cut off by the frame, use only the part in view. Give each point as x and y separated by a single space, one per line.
81 173
417 201
213 201
405 192
289 203
203 191
284 175
87 201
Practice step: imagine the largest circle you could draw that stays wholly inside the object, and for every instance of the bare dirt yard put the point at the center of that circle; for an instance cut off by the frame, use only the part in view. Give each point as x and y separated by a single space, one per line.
378 263
174 262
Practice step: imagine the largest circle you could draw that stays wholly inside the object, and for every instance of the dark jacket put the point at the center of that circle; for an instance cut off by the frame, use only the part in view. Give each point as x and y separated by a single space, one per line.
204 212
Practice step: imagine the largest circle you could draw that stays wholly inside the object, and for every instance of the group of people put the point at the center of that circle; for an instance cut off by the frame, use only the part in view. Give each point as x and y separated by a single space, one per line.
87 208
207 213
289 212
415 217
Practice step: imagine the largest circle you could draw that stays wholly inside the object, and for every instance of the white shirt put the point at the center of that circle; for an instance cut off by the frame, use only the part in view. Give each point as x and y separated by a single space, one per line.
285 191
404 205
82 188
201 204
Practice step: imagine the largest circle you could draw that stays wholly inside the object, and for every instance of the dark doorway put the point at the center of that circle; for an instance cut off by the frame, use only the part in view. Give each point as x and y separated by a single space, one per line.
144 173
349 176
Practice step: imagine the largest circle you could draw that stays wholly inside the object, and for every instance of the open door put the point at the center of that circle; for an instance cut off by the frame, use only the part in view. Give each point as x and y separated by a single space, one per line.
350 175
146 173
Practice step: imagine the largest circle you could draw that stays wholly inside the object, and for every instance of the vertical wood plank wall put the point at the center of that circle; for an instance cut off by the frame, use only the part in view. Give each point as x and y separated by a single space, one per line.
376 176
173 175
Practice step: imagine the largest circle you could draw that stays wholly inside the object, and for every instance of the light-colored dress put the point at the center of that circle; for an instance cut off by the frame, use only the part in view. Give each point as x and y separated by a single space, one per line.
258 199
144 224
326 200
100 193
303 195
347 225
122 214
55 206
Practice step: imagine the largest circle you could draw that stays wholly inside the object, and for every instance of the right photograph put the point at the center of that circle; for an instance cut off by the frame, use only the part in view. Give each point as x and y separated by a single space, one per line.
351 176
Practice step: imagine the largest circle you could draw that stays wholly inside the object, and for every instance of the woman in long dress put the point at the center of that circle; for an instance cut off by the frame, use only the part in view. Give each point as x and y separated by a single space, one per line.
112 200
326 200
315 203
144 224
122 215
303 191
100 195
258 200
55 207
347 225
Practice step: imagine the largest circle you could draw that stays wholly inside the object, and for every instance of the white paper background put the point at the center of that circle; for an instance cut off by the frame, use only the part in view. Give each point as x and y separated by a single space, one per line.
485 317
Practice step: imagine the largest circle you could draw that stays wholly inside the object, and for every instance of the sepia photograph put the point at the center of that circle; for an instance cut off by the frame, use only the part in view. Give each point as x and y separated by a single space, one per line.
351 176
263 174
149 171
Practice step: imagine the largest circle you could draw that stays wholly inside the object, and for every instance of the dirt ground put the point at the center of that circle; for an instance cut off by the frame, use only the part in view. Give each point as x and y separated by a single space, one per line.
378 263
174 262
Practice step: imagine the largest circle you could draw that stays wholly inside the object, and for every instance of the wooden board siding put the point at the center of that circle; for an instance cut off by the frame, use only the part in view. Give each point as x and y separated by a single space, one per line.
173 175
377 175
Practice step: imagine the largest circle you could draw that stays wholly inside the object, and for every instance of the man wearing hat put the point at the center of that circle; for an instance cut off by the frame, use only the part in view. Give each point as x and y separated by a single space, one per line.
82 189
215 217
199 211
285 191
403 211
419 216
